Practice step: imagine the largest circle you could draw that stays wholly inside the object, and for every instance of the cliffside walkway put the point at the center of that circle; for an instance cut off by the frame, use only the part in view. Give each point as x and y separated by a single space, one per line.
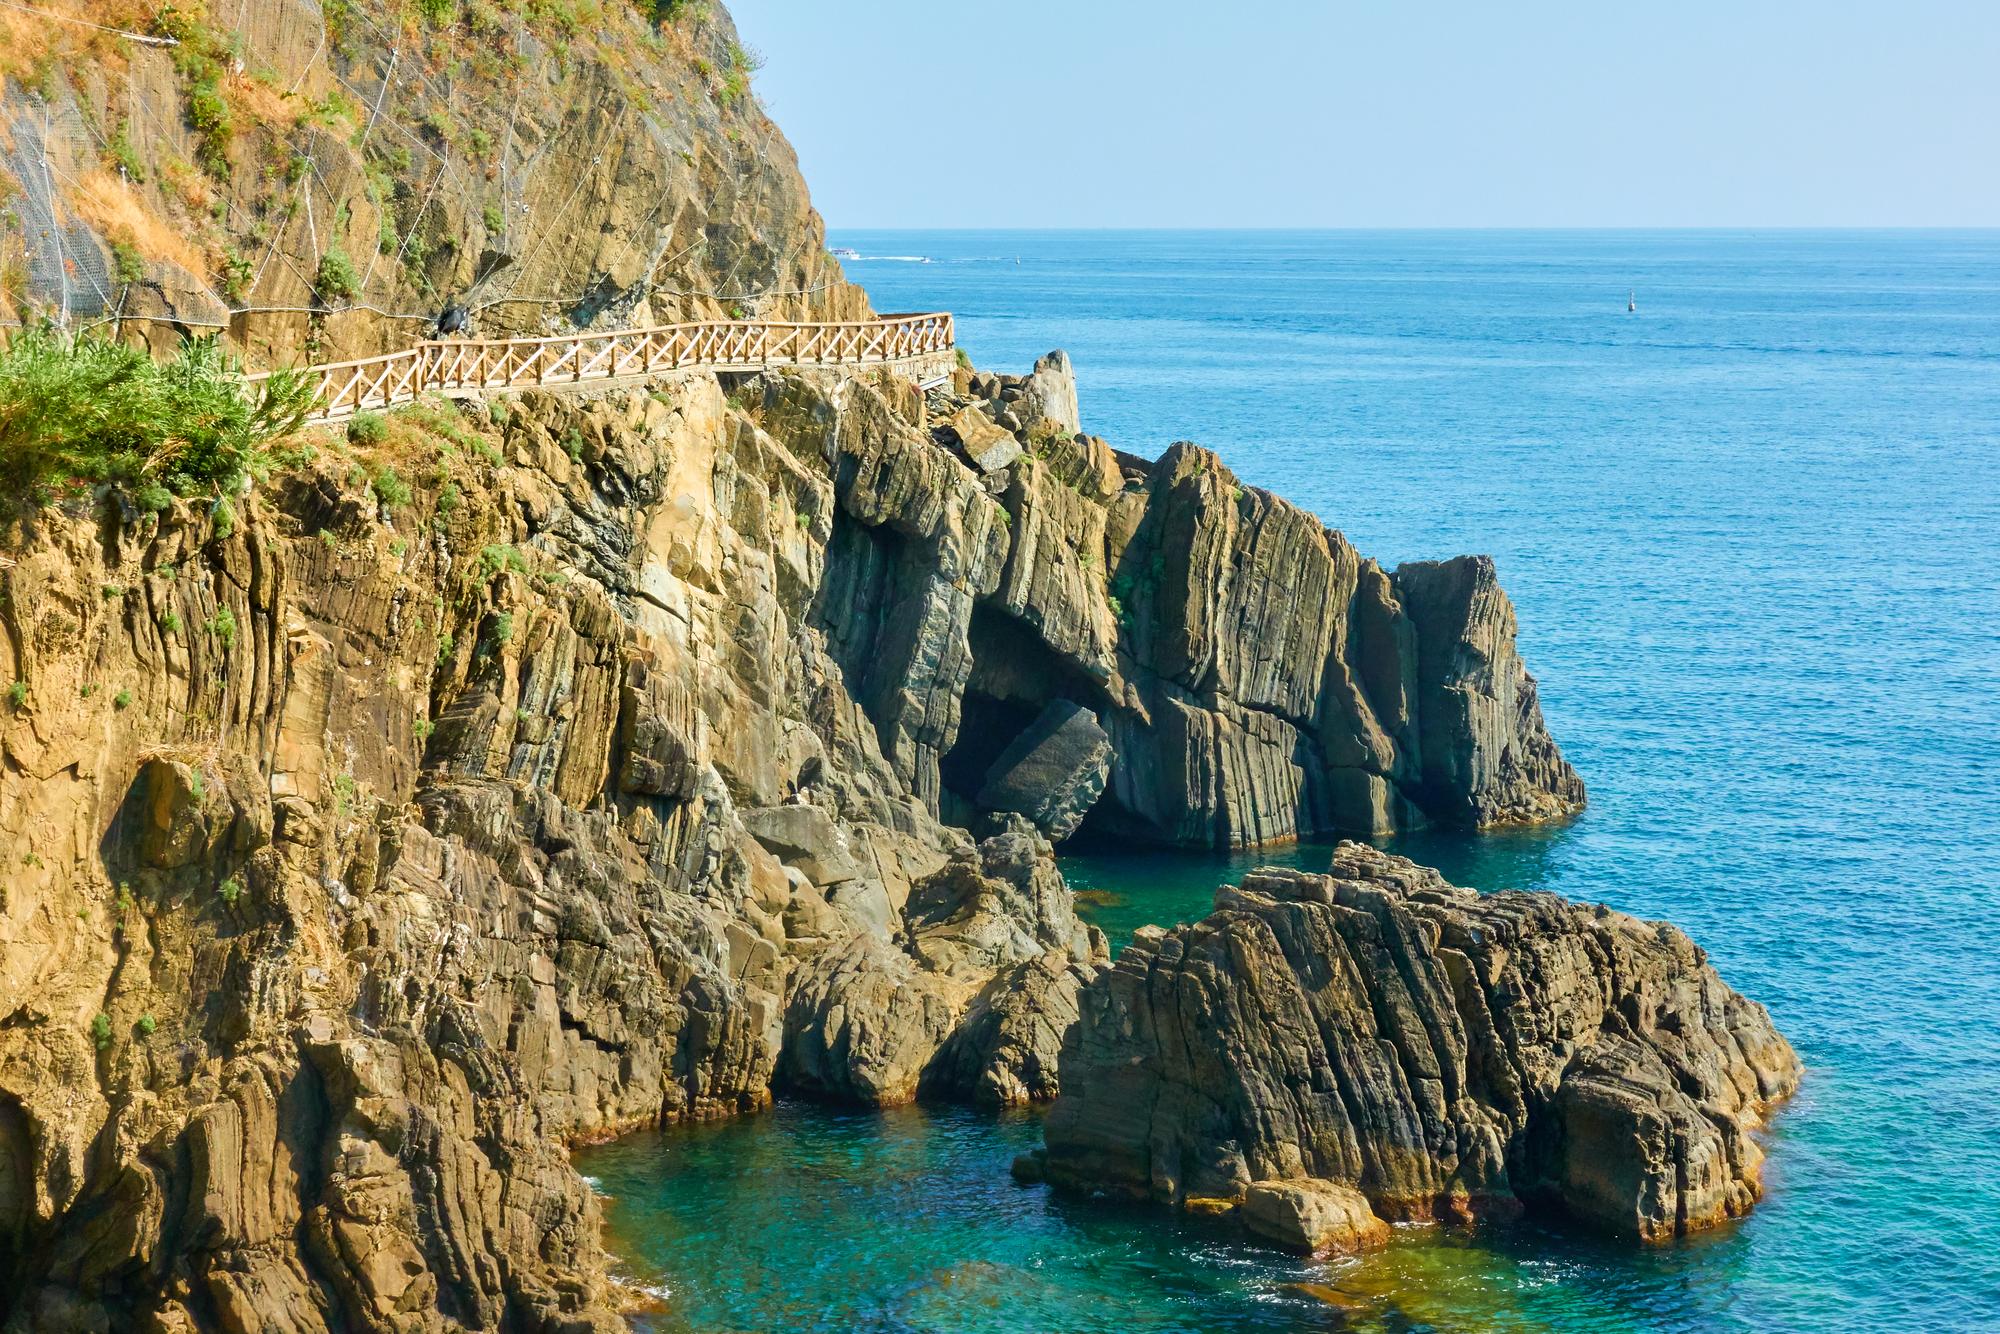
468 368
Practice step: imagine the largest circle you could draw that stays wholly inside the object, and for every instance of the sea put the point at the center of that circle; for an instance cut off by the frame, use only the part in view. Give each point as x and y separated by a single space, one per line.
1744 489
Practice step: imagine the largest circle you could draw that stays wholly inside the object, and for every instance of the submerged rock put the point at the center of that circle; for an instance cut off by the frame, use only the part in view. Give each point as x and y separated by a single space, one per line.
1447 1054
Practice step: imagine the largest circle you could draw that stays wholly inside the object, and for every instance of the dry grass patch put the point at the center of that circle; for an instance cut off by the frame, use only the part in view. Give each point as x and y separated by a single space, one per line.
257 101
195 191
29 41
116 210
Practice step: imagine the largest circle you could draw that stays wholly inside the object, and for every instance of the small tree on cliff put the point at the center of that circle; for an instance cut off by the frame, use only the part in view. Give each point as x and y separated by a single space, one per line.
83 410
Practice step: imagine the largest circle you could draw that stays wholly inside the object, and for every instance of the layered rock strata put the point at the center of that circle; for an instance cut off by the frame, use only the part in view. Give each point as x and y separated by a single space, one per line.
334 179
375 838
370 841
1257 678
1446 1054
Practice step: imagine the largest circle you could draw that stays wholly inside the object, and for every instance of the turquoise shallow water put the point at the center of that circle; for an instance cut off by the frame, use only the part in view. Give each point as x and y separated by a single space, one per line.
1753 533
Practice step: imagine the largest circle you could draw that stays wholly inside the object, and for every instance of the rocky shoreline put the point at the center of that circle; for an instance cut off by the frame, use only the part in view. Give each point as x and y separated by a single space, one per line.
615 775
505 776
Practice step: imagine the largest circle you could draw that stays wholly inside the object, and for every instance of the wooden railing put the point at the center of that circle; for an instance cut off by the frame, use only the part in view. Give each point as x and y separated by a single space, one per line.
473 366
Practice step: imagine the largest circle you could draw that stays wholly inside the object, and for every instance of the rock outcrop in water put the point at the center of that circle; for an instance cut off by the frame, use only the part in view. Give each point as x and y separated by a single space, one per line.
1258 680
1445 1053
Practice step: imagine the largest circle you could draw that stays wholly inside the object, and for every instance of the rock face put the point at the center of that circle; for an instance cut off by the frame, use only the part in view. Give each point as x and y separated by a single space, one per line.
1053 772
1256 678
625 773
1443 1053
368 854
535 171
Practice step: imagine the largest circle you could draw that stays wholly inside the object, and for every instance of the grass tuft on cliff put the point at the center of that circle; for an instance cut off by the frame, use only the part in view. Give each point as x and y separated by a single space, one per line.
76 411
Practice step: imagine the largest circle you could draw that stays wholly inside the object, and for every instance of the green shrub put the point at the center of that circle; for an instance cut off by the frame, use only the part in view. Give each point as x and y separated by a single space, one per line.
148 1025
336 279
424 728
367 429
120 154
127 263
231 890
390 489
480 142
236 274
122 699
438 13
497 557
448 498
223 626
503 627
496 221
222 520
100 1032
208 112
171 622
80 410
17 694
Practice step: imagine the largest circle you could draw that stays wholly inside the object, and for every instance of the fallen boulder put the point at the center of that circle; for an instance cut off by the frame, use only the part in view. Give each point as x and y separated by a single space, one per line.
987 446
1312 1217
1053 772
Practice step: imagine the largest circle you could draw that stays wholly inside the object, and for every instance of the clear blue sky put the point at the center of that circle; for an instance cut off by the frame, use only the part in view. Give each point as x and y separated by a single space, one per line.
1390 113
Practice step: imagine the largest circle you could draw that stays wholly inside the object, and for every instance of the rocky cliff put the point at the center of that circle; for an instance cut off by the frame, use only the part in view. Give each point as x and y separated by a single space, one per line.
1326 1052
450 797
330 179
488 779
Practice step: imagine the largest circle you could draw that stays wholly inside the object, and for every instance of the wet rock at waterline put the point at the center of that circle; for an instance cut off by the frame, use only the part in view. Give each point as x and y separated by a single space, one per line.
1444 1053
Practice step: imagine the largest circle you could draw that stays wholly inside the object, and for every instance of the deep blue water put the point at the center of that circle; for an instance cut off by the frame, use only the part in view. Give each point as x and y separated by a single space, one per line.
1753 534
